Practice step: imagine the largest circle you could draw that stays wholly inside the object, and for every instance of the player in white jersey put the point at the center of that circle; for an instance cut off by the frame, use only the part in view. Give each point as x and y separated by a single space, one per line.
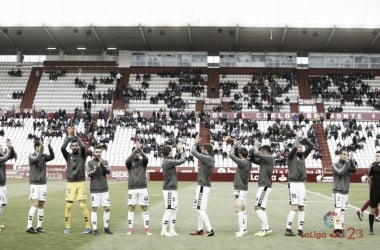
97 170
136 164
239 155
170 187
266 162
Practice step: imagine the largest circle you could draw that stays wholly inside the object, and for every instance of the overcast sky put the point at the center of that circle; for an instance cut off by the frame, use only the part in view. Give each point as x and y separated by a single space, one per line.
258 13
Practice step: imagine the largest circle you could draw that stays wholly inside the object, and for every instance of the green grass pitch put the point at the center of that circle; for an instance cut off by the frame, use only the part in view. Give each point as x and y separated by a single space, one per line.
220 210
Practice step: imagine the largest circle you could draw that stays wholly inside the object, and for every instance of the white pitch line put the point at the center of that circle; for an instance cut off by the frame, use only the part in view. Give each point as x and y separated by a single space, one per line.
326 197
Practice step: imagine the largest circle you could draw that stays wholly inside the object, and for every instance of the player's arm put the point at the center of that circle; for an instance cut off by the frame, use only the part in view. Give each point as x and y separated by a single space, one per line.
91 168
293 151
259 157
353 164
7 156
309 147
51 155
64 146
13 153
340 170
105 167
172 163
144 157
352 167
194 150
234 158
267 159
198 155
128 161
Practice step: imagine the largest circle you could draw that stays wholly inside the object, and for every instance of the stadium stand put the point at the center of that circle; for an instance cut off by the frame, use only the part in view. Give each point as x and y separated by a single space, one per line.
13 83
259 91
155 123
71 93
165 90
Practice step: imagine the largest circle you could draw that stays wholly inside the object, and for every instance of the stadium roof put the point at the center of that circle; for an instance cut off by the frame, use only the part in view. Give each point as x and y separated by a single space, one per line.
33 26
95 40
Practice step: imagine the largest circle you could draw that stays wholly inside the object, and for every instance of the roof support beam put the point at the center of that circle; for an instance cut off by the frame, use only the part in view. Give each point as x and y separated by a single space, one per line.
284 33
375 39
10 40
143 36
100 41
56 44
237 29
330 37
189 37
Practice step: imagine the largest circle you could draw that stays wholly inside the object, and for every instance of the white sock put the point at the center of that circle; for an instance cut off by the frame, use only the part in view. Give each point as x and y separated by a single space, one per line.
173 219
40 213
263 218
32 211
245 220
145 216
131 219
290 219
200 221
301 219
342 219
106 218
205 219
94 220
240 216
165 219
338 223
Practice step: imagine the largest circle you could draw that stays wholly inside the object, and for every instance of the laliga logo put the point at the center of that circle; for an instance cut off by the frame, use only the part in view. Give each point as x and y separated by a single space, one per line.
330 218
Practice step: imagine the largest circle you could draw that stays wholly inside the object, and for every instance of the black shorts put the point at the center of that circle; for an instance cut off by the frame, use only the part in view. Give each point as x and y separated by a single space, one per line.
374 197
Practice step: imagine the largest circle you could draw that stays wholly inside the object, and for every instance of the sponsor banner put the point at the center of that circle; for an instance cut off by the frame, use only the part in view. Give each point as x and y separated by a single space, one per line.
359 116
21 172
288 116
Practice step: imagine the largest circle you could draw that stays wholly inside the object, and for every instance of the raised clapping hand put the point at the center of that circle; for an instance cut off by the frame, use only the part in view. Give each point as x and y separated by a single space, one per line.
100 162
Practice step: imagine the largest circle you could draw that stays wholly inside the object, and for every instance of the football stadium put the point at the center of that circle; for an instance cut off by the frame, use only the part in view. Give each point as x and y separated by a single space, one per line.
189 125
